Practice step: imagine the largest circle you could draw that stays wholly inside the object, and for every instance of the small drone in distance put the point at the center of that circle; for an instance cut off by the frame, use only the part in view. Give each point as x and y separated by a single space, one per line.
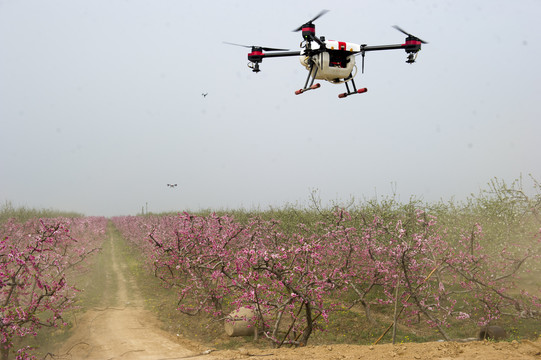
172 185
329 60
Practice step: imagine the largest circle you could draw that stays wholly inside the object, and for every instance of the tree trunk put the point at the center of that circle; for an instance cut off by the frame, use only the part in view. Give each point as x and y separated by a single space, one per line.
308 331
4 352
367 311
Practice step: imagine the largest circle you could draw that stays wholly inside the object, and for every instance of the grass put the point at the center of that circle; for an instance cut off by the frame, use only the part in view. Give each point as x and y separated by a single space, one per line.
22 214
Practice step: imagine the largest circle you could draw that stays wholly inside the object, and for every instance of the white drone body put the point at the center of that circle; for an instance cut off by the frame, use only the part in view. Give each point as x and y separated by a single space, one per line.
334 65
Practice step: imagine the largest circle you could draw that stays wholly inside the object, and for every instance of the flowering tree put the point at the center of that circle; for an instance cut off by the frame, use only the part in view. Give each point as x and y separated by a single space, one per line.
434 277
288 277
219 265
34 258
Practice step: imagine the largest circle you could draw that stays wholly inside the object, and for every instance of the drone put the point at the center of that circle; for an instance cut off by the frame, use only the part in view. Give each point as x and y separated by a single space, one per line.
172 185
329 60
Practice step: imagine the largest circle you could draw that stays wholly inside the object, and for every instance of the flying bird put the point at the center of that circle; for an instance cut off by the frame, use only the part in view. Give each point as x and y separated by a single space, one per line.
204 94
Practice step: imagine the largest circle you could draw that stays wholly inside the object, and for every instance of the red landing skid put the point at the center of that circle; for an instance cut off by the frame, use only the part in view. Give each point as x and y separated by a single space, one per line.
313 87
360 91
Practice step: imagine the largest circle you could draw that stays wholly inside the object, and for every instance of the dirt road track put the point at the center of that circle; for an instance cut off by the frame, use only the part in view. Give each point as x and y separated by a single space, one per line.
122 328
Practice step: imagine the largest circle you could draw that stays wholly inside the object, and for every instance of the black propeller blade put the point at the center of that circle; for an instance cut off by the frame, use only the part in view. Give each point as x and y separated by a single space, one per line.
405 32
321 13
258 47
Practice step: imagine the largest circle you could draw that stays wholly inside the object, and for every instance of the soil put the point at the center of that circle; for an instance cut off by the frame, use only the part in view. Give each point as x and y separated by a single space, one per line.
122 329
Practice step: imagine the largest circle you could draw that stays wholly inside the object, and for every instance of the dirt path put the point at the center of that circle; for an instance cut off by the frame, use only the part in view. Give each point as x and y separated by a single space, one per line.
121 328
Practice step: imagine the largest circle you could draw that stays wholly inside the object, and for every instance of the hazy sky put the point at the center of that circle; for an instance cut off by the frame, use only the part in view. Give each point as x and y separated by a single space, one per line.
101 106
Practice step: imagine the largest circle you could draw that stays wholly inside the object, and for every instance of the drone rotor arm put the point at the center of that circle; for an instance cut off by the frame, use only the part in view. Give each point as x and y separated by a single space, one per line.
318 41
381 47
257 55
281 54
256 47
411 45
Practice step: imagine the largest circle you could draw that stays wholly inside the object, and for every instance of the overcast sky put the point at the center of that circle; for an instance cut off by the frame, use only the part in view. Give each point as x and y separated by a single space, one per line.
101 105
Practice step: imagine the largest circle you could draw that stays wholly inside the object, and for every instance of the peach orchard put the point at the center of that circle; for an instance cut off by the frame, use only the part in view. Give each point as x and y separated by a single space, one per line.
295 279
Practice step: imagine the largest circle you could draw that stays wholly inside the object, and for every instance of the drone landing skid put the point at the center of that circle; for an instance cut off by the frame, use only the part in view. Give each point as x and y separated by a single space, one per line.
349 92
360 91
312 87
310 79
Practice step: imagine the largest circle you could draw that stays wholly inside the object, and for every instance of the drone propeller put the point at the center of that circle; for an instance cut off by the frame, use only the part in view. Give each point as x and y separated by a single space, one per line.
406 33
256 47
321 13
256 56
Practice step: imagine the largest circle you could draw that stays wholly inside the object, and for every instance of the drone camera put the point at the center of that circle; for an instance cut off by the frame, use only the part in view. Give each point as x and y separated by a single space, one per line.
254 66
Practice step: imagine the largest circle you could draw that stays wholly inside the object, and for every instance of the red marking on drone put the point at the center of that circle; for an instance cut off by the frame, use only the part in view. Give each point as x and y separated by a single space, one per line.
412 42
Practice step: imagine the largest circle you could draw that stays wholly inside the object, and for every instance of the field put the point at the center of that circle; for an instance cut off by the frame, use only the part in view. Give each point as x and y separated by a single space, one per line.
160 286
